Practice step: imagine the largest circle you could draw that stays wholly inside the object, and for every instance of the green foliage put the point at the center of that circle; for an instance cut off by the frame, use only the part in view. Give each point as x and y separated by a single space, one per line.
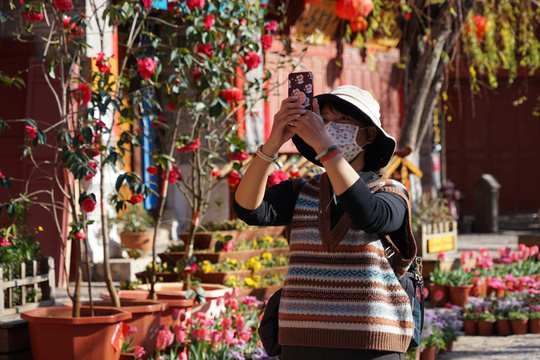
18 241
135 220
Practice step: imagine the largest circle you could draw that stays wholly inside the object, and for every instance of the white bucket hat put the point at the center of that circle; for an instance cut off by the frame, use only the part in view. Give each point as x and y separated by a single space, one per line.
383 145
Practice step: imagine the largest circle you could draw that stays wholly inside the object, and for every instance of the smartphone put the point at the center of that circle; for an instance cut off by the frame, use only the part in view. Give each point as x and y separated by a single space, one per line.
301 85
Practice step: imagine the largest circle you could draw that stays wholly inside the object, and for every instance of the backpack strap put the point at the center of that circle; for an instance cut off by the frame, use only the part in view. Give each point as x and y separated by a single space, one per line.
394 255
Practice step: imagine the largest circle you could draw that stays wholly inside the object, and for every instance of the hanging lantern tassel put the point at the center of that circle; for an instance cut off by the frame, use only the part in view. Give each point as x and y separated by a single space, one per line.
358 24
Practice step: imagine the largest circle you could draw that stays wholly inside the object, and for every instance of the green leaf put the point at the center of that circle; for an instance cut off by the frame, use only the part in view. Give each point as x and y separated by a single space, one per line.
3 17
10 208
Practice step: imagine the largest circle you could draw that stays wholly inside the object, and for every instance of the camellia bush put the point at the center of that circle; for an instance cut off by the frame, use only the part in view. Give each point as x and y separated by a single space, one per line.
186 78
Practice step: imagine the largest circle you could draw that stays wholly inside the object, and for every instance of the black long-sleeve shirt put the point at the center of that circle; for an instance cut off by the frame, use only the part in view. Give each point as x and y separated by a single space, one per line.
383 212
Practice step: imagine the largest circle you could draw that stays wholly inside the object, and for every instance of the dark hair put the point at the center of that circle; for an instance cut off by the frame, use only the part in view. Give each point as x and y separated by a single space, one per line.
372 160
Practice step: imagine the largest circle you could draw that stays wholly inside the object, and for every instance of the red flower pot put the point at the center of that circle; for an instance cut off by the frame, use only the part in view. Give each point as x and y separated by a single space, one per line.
55 334
470 327
503 327
519 327
486 328
534 326
428 353
439 294
459 294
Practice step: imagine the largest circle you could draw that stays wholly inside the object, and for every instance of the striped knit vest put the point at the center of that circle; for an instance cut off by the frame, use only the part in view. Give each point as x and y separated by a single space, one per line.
342 295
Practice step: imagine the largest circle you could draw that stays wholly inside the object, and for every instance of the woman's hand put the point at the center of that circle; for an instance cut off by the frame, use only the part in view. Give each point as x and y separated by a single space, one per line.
310 127
290 111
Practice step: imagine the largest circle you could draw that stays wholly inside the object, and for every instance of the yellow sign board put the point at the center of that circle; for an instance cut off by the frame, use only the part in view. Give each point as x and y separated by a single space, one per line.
319 23
441 244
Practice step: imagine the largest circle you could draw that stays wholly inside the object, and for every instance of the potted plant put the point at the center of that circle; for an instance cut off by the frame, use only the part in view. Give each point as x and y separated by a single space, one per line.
137 232
439 292
534 319
460 284
486 322
519 318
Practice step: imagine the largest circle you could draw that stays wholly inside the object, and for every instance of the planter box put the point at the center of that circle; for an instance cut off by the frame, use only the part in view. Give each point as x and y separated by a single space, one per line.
273 270
433 239
208 240
222 277
261 293
216 257
169 276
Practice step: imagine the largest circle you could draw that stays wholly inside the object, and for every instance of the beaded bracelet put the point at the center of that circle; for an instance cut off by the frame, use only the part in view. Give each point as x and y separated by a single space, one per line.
264 156
318 157
329 155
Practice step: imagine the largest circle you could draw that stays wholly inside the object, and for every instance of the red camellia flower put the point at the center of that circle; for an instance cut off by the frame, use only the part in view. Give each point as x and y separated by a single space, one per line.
82 94
346 9
146 67
2 175
66 21
208 22
232 94
266 41
215 172
358 24
88 204
252 60
205 49
192 4
90 175
102 64
197 74
189 147
32 132
80 235
152 170
63 5
294 173
233 178
407 15
135 199
5 242
271 26
480 23
276 177
174 175
238 155
32 16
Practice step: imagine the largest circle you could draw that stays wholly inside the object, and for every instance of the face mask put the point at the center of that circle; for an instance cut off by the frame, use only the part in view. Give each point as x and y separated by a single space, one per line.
344 135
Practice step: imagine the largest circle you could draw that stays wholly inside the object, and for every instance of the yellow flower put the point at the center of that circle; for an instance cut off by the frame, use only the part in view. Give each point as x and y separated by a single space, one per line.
267 256
164 265
254 243
249 281
40 228
206 268
257 278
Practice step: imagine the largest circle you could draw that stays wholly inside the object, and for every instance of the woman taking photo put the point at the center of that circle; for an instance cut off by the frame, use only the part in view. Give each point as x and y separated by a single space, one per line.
341 298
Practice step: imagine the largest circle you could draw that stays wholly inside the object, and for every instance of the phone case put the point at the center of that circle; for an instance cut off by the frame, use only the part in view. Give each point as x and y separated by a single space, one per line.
301 84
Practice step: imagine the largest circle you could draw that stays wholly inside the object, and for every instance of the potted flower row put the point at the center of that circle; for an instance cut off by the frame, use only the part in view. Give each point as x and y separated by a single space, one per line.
208 235
226 247
518 313
261 265
480 274
442 326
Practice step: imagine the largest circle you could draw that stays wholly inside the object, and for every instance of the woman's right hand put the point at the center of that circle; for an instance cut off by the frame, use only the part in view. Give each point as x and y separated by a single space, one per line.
290 110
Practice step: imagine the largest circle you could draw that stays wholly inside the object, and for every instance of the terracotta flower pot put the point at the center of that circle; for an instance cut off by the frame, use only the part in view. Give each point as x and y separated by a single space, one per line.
498 292
138 241
503 327
146 317
470 327
429 353
479 290
55 334
486 328
519 327
459 294
534 326
439 294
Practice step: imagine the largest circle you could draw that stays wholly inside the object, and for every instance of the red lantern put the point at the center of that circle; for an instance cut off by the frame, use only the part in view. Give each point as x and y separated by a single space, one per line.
365 8
347 9
232 94
358 24
480 23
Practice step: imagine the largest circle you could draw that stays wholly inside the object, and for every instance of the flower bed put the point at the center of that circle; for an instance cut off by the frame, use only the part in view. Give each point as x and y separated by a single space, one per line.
483 274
